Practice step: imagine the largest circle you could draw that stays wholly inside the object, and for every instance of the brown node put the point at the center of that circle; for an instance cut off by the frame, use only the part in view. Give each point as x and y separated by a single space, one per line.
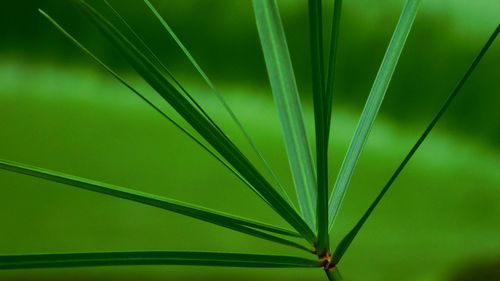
330 267
326 261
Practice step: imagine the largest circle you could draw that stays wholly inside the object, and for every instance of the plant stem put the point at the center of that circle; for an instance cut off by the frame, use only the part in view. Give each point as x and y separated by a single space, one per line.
333 274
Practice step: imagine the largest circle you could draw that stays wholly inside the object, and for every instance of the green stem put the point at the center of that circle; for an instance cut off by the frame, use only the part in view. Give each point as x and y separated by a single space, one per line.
333 274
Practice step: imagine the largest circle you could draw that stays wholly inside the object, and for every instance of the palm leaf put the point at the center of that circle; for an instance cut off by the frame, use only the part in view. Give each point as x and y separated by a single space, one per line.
153 76
372 105
220 97
152 258
346 241
240 224
286 96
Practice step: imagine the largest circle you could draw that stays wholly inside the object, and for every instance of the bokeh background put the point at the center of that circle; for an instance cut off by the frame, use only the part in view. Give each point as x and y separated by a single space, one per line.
60 110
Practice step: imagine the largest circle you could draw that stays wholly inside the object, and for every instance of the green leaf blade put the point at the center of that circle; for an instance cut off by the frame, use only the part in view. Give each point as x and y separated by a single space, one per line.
332 59
220 97
243 225
285 92
141 96
153 76
347 240
10 262
372 106
320 122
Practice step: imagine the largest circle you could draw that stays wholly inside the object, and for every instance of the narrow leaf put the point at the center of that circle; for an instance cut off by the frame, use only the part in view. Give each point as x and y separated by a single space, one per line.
154 58
334 42
222 219
318 82
281 76
151 258
190 97
141 96
324 144
153 76
372 106
220 97
346 241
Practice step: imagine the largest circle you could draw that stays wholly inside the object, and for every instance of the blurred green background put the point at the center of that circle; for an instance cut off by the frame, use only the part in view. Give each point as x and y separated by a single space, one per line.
59 110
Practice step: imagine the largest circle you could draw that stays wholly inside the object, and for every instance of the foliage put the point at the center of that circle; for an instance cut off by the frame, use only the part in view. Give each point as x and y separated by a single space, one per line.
314 217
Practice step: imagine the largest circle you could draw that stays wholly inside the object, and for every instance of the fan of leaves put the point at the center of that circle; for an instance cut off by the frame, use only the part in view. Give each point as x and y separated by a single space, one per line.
314 217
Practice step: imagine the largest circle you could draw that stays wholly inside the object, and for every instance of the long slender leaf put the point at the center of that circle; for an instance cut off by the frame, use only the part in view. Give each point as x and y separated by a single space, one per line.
281 76
346 241
155 59
323 113
334 40
222 219
372 106
141 96
183 89
318 81
220 97
152 258
152 75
